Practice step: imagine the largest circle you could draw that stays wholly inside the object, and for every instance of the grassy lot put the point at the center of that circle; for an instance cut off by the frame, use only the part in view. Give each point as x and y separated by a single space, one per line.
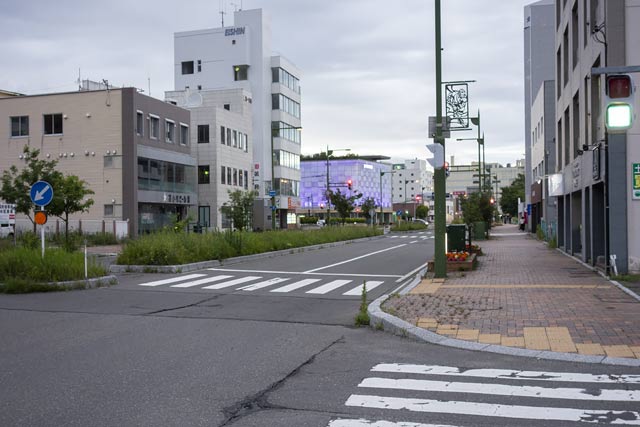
170 248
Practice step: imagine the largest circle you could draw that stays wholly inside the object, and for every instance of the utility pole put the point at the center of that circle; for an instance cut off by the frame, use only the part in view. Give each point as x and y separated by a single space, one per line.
440 260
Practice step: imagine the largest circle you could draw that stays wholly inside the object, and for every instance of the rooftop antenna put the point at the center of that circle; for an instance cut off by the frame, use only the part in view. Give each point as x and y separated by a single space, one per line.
79 80
149 85
222 12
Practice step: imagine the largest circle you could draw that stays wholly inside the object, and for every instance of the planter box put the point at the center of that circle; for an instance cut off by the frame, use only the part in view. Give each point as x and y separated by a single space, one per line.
453 266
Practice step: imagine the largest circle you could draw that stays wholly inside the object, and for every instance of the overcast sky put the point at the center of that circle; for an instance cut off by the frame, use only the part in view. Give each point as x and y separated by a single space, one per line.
368 65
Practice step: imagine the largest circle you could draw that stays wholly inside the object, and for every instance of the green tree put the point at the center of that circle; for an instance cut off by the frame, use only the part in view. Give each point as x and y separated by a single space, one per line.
477 207
422 211
367 206
240 208
16 183
510 195
69 197
343 204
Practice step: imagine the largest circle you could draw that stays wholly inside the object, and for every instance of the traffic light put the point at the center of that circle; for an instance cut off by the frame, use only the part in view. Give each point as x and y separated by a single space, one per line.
619 98
349 184
438 155
446 169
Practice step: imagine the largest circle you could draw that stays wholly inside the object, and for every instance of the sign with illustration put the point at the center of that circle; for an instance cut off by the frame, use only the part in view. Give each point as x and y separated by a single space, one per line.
635 171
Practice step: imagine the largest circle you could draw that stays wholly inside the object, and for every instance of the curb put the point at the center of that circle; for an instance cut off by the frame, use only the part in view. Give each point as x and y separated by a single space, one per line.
402 328
96 282
183 268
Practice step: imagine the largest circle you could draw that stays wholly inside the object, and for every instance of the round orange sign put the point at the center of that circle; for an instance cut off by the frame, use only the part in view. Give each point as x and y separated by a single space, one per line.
40 217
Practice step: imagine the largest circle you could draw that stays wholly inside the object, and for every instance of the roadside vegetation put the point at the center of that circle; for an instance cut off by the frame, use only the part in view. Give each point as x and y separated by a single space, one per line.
408 226
169 248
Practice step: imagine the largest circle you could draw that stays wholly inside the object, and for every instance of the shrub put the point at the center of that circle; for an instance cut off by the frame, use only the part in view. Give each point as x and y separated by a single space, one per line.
308 220
408 226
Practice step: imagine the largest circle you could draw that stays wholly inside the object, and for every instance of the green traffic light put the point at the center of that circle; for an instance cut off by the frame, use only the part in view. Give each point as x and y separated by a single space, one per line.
619 116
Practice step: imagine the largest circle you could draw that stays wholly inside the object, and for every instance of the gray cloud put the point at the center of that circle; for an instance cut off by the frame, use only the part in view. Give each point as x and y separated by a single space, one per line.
368 68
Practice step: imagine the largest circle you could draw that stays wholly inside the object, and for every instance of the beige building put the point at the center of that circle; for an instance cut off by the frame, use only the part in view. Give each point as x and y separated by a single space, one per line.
131 149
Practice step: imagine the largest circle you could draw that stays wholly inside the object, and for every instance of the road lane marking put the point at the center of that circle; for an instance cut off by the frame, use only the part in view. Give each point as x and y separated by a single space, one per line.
506 374
307 273
232 282
264 284
201 282
412 272
367 423
596 394
371 284
354 259
335 284
172 280
413 241
296 285
494 410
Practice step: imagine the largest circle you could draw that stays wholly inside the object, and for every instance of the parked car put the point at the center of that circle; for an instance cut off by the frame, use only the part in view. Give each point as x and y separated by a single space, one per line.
6 230
424 221
321 223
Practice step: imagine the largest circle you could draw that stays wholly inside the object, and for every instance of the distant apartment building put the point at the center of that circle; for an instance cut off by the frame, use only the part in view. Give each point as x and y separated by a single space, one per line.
411 181
222 142
367 175
597 209
240 56
132 150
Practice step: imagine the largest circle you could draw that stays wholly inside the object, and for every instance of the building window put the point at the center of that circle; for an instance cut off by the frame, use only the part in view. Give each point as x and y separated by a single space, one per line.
229 137
108 210
235 138
240 176
204 216
246 143
139 123
286 79
53 124
203 174
240 72
170 128
187 67
246 180
223 175
184 134
228 176
286 104
20 126
227 107
203 134
223 134
199 65
154 127
235 176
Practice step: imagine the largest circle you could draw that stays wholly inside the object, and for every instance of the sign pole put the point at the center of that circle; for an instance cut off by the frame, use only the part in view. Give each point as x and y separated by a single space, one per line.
42 238
440 260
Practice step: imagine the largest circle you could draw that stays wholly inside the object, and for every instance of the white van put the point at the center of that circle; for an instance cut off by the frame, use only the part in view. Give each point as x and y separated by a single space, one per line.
6 230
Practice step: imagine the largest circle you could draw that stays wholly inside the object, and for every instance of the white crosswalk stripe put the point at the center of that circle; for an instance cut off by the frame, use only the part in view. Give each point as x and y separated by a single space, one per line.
264 284
201 282
371 284
172 280
335 284
232 282
594 389
296 285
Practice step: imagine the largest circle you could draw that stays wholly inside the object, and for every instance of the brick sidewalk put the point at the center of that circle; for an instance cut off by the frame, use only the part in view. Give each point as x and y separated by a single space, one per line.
524 294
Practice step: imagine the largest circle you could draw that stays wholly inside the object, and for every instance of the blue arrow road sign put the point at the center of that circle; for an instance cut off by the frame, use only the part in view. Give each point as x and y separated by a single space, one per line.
41 193
272 193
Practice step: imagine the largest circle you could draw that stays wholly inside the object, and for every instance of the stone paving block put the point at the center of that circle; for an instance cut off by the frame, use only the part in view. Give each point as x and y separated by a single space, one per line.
447 329
427 322
512 341
636 350
536 339
560 340
618 351
489 338
590 349
468 334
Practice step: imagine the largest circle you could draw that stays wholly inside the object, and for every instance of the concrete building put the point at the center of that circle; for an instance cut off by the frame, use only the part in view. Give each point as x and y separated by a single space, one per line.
222 141
538 67
597 211
543 160
411 179
365 176
132 150
240 56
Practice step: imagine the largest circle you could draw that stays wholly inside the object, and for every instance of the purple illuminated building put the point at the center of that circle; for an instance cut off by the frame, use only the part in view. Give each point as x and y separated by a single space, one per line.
365 176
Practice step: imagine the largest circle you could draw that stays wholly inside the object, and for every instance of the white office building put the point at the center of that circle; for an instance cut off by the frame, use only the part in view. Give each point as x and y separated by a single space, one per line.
411 179
240 56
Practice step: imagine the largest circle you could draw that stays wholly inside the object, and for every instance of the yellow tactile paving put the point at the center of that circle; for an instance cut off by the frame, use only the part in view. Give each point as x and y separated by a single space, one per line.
540 286
536 339
590 349
438 281
427 322
489 338
447 329
636 350
560 340
618 351
512 341
425 287
468 334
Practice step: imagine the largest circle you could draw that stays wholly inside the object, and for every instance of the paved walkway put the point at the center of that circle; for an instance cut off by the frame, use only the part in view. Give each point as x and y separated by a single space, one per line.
525 295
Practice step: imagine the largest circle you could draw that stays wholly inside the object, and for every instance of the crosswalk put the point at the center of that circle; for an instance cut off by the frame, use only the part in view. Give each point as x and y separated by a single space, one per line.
555 397
414 237
276 285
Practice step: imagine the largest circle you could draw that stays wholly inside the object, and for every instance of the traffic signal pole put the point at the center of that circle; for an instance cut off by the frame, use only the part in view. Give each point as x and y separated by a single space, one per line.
440 261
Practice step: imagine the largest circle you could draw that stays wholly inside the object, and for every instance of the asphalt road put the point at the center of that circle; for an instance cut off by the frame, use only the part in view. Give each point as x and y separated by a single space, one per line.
242 355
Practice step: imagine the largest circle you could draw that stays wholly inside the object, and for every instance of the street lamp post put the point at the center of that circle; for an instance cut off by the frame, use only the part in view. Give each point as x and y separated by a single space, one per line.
328 192
381 175
273 176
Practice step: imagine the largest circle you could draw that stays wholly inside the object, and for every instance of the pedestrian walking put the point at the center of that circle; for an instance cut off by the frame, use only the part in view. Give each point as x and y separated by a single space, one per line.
521 221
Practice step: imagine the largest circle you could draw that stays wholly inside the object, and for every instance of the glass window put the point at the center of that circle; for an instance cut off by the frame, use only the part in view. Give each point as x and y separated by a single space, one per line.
140 123
108 210
240 72
154 127
246 180
204 216
170 128
246 143
199 65
229 137
223 175
235 138
240 176
235 176
203 174
223 134
187 67
53 124
228 176
184 134
203 134
20 126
